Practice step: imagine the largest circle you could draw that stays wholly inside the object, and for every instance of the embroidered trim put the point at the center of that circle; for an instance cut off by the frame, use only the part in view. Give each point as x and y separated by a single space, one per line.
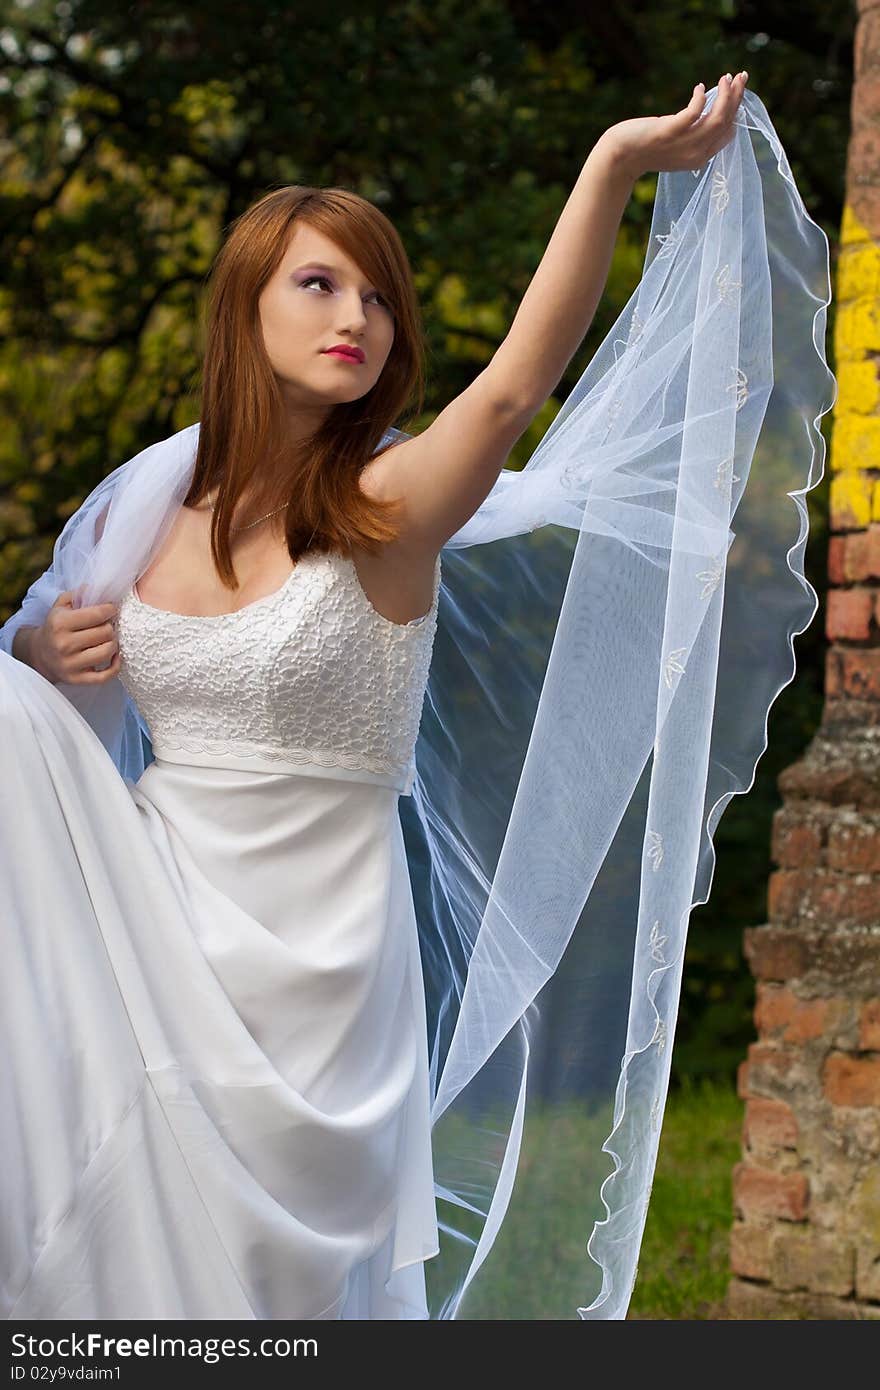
634 336
324 757
725 476
726 287
669 241
740 386
656 941
673 665
720 194
712 575
655 849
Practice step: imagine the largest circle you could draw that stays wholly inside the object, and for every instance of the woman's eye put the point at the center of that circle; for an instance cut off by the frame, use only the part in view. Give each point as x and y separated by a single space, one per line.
322 280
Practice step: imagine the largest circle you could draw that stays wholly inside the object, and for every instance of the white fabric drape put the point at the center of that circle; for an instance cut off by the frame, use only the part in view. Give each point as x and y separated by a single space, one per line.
215 1096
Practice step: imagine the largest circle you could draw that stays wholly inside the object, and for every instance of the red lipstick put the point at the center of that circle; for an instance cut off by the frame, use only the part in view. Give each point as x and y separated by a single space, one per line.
346 352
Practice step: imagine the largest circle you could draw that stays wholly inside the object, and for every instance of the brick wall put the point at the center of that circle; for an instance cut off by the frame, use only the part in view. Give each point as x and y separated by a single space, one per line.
805 1242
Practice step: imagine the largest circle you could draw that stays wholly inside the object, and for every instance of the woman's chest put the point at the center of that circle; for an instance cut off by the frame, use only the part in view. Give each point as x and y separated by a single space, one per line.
316 640
235 657
181 578
310 670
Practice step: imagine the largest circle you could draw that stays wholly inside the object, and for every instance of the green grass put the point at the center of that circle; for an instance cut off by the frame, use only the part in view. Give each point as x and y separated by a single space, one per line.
539 1268
683 1265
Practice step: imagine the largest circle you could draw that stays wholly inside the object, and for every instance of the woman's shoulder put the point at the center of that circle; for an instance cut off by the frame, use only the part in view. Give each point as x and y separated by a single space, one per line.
377 477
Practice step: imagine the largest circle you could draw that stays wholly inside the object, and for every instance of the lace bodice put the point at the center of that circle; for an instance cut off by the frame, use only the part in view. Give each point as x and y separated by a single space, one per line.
311 679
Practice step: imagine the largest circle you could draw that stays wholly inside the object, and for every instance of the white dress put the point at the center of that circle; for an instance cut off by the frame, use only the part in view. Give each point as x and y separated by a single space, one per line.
216 1015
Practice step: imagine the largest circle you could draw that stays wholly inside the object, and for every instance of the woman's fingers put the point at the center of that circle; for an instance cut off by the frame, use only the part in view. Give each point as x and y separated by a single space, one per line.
696 103
84 639
92 677
730 91
93 615
685 139
96 654
727 100
690 114
718 115
720 121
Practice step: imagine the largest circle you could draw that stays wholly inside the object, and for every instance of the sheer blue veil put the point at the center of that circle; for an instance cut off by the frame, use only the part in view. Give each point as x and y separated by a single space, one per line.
615 622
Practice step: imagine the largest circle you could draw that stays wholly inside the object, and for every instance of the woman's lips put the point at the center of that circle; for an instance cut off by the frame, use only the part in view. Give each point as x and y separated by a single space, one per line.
344 356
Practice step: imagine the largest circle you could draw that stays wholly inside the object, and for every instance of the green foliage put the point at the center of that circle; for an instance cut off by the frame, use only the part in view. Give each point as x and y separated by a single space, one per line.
131 136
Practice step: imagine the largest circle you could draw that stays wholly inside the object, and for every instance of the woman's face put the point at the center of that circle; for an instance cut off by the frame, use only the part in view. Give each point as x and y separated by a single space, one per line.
316 299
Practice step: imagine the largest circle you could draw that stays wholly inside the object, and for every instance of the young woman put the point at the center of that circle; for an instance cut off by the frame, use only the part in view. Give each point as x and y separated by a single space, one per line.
239 996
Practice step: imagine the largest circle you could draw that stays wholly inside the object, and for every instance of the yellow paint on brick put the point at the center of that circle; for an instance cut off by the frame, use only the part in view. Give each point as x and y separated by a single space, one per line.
855 441
858 388
851 228
855 432
850 500
858 272
855 436
857 329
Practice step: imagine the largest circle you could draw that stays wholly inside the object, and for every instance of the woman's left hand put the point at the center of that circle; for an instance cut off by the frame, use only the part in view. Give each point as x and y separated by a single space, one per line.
685 140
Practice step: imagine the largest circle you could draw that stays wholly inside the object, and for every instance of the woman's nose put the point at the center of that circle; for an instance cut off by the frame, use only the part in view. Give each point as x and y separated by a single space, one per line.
352 314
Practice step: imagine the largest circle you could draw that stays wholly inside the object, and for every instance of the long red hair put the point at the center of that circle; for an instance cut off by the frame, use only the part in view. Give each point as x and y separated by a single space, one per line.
241 436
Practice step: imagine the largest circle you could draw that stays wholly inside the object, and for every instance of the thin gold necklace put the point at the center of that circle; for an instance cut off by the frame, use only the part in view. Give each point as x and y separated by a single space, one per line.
253 523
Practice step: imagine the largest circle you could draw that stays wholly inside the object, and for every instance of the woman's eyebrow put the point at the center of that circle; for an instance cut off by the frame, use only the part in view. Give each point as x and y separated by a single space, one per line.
320 265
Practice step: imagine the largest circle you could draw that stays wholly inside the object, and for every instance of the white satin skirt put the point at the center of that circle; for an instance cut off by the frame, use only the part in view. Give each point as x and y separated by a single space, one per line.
214 1098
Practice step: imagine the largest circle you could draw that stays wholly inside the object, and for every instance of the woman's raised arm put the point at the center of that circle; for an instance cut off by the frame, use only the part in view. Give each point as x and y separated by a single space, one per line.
448 470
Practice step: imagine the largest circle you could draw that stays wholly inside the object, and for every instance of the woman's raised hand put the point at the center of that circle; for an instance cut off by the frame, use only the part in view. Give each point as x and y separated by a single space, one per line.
71 642
685 140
